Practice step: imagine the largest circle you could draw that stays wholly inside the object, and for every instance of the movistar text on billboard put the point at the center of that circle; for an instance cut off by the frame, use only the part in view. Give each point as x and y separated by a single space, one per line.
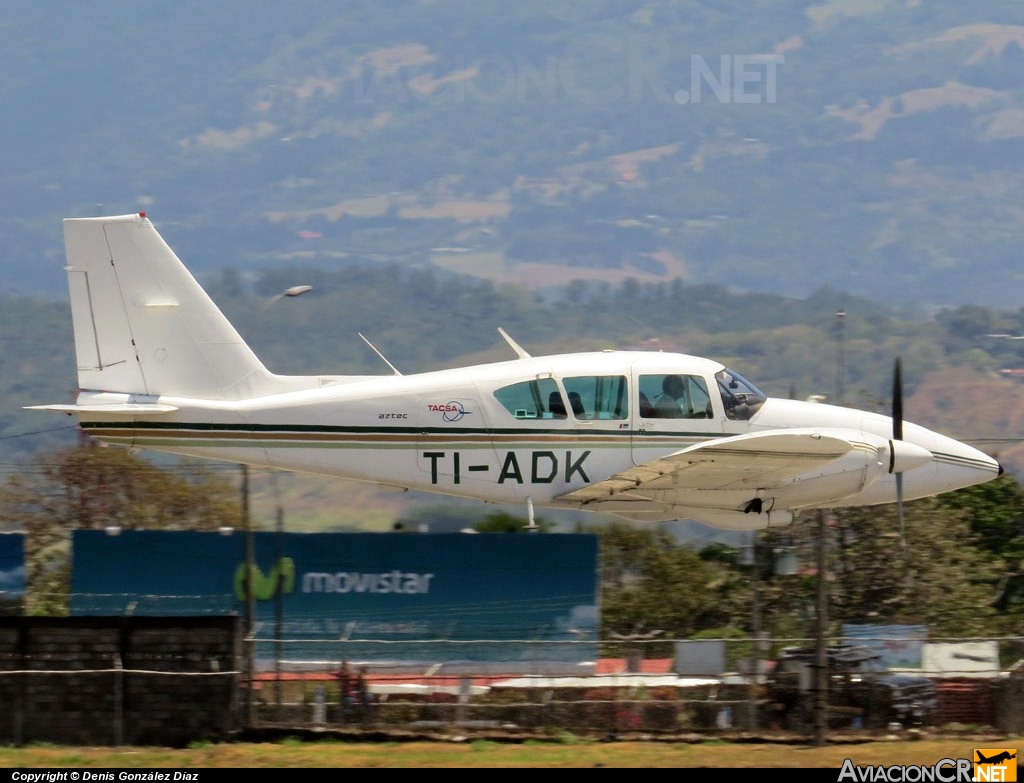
353 582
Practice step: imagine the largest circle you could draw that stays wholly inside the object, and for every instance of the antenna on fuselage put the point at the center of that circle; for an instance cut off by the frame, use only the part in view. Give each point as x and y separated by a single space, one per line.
531 523
382 357
652 341
513 344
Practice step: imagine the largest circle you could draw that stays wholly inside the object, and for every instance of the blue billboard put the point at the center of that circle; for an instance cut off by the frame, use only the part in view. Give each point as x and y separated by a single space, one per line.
358 596
12 572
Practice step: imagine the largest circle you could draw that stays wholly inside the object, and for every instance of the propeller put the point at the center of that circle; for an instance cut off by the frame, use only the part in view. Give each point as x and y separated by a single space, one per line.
897 435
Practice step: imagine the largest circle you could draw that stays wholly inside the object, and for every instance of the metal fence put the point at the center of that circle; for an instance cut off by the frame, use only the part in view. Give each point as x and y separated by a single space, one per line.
82 678
706 686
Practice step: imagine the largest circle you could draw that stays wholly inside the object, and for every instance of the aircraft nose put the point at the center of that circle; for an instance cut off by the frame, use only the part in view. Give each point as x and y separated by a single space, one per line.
955 464
965 465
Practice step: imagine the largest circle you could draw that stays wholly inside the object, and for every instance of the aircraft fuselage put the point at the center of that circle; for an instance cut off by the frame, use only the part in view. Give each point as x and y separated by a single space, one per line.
447 432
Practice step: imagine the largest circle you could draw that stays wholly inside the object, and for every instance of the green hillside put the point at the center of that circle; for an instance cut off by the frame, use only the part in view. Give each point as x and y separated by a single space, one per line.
873 146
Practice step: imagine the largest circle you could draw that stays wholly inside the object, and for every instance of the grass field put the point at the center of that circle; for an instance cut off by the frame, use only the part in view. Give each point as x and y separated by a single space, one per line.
485 753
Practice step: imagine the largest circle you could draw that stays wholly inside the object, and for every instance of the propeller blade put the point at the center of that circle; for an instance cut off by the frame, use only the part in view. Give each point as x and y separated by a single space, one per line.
897 400
899 506
897 434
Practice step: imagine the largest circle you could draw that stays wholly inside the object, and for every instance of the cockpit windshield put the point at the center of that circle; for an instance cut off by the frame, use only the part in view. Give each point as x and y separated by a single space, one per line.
740 397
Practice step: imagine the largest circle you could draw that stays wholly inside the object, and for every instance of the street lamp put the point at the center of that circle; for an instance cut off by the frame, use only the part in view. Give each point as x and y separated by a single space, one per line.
250 598
295 290
278 592
250 554
821 672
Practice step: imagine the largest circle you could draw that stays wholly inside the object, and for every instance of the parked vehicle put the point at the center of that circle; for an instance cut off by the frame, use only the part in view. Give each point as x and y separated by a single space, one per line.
862 690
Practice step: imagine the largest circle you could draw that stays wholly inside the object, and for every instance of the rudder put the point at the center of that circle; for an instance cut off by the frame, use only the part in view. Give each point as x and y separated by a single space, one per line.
142 323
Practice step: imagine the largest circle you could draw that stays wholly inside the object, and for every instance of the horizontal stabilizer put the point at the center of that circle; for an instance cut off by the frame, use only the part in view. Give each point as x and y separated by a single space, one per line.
135 409
110 402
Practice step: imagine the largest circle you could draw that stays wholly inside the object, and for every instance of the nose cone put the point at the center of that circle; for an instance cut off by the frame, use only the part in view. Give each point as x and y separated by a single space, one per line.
975 464
955 465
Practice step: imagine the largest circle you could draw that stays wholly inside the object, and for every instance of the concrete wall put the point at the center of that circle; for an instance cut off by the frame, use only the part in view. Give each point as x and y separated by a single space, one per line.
119 680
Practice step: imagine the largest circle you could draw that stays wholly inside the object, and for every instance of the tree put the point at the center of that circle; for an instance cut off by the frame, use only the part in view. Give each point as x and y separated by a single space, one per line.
93 487
994 512
651 583
937 576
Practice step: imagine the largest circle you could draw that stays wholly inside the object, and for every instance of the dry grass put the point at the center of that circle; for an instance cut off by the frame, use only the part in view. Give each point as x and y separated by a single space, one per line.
485 753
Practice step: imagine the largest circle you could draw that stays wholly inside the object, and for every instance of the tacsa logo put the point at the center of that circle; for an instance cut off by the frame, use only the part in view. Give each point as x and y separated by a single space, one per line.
452 410
995 764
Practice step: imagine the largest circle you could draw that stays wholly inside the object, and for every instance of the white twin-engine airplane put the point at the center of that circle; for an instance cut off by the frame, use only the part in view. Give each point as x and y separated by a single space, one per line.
641 435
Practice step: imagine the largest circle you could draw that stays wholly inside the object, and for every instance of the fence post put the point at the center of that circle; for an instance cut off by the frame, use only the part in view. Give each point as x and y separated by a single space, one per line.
465 690
118 701
21 684
320 706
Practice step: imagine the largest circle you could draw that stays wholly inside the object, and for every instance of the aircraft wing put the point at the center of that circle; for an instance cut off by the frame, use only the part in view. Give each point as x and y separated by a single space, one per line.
735 481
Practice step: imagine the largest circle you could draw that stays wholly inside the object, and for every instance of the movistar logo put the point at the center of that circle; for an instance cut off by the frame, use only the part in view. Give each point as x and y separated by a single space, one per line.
264 587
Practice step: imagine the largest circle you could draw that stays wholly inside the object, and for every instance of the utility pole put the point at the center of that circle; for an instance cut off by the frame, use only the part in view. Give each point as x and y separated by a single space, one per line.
840 356
755 627
821 673
278 602
250 601
250 560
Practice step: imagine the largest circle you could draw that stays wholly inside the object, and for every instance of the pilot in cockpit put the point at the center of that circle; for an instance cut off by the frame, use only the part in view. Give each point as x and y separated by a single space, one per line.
671 402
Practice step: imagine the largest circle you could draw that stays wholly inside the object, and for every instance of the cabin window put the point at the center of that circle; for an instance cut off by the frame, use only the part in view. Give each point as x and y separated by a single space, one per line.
536 399
741 398
598 396
674 396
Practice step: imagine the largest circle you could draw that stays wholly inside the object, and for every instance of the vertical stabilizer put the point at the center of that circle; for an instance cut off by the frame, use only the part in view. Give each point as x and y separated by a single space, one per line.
143 325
